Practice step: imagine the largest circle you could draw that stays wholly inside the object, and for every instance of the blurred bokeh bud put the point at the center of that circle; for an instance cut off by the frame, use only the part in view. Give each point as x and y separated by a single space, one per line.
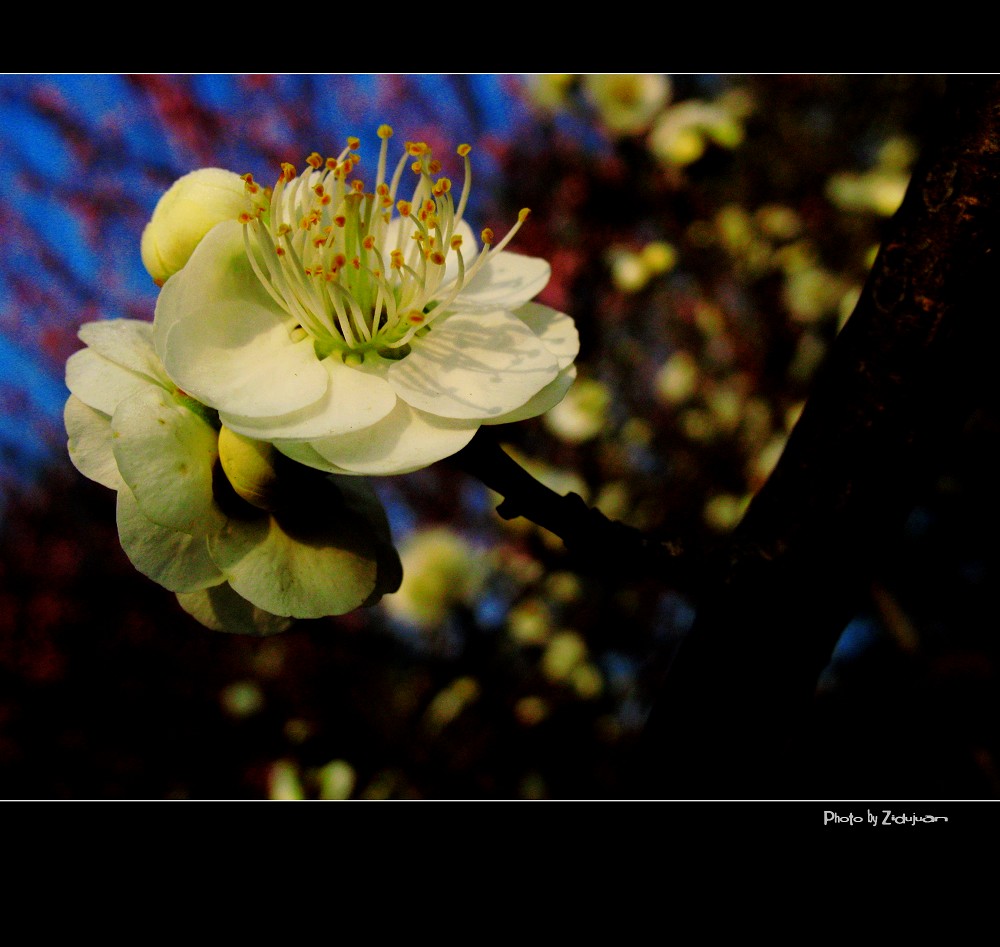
192 206
440 571
628 103
582 414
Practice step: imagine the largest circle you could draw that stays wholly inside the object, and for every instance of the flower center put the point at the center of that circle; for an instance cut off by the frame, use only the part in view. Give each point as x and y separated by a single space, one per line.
361 271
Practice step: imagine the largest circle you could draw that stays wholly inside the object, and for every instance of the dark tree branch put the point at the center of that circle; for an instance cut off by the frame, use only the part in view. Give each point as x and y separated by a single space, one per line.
903 377
594 541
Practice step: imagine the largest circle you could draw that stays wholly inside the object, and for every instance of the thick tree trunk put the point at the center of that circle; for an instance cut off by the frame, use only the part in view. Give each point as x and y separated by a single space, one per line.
902 378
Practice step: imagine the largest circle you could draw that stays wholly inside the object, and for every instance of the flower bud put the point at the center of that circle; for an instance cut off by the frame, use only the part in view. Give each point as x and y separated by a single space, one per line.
192 206
250 467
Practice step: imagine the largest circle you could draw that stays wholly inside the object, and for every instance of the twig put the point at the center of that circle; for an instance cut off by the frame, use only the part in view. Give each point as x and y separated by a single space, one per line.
592 539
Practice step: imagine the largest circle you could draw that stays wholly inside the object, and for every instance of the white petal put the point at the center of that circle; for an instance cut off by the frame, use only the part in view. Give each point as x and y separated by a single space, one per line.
101 383
323 563
166 454
404 441
356 398
224 340
556 330
176 561
303 452
474 365
506 281
126 342
90 443
221 609
547 398
219 269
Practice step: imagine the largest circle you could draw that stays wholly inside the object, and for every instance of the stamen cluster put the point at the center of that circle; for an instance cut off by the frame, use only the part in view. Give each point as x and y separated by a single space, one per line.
361 270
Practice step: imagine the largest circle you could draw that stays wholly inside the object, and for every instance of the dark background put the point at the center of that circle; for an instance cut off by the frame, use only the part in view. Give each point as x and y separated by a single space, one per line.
526 680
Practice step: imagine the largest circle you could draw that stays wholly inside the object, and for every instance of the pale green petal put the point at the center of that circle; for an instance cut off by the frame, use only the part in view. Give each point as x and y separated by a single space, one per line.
320 561
506 281
547 398
225 341
403 441
176 561
361 498
356 398
166 454
128 343
221 609
556 330
101 383
89 443
474 366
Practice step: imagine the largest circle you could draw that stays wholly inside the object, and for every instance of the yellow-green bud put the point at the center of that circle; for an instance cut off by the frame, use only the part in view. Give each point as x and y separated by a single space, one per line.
192 206
250 466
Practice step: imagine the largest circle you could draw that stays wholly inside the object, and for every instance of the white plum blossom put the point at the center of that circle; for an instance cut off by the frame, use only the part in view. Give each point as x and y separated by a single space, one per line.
357 331
246 538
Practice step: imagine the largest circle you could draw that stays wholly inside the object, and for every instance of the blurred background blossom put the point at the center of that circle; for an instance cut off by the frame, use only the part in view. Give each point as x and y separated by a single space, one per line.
709 234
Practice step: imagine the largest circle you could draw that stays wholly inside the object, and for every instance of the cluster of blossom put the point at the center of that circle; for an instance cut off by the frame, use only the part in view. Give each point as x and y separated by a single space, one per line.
305 335
641 104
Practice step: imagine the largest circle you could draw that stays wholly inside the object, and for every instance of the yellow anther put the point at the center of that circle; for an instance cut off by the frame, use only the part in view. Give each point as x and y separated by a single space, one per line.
340 220
437 258
369 242
434 167
331 164
251 186
353 143
416 148
288 171
283 230
487 235
442 186
415 317
382 190
314 161
464 150
416 167
456 241
246 217
404 208
522 214
359 186
384 131
396 257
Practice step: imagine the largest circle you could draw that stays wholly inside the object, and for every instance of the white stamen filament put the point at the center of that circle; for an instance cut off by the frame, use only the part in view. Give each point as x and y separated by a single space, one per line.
318 243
